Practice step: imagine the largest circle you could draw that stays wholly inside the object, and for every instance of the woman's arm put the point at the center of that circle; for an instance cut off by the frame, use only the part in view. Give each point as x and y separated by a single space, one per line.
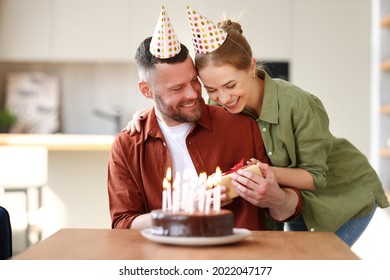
134 125
294 177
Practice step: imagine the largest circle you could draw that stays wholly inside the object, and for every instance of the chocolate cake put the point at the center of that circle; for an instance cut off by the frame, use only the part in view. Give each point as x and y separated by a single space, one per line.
197 224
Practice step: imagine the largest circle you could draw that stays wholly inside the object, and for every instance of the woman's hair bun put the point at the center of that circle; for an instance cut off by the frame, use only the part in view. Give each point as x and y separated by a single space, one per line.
229 25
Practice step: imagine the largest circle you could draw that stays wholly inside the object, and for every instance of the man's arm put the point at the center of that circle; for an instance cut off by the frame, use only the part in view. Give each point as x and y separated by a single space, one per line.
124 199
142 222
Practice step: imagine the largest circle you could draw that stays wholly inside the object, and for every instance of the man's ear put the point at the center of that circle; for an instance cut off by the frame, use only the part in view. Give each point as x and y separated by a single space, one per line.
145 89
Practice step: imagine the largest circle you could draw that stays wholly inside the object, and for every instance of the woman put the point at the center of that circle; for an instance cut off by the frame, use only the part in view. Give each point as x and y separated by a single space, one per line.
341 190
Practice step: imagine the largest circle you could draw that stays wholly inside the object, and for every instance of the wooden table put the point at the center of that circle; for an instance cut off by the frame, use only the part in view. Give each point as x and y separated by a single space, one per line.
117 244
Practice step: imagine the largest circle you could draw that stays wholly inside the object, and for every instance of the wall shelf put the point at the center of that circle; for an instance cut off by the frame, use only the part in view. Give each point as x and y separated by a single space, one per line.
59 142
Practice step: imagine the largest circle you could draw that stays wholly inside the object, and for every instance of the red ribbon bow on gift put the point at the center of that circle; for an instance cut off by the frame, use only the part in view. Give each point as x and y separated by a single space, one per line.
235 167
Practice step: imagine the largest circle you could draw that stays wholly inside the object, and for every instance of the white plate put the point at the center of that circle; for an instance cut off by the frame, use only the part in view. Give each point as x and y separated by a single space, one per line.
238 235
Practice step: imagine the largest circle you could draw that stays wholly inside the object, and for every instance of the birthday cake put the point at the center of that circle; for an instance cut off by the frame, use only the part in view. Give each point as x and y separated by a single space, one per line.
197 224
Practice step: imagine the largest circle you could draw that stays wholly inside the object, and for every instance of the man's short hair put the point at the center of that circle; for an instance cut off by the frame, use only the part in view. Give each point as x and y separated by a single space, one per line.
146 61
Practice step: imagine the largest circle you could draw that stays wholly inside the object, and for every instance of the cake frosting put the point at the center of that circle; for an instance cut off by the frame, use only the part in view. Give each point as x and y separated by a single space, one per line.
197 224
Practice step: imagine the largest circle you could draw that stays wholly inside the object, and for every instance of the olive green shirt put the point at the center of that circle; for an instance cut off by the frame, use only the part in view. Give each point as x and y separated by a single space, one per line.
295 130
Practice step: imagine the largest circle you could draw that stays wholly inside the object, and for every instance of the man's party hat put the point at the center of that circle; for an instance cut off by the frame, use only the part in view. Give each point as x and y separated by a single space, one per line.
164 42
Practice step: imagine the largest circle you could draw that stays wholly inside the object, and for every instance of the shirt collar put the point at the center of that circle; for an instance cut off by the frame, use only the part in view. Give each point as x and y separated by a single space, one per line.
270 107
152 128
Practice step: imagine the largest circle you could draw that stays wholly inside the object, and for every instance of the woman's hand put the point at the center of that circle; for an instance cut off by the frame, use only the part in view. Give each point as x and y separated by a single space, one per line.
265 192
134 125
260 191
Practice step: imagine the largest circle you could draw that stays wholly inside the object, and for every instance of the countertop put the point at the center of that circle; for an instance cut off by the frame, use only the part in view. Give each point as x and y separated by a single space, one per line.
60 142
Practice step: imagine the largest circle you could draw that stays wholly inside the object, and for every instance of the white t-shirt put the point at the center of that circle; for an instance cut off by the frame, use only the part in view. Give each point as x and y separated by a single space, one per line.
176 141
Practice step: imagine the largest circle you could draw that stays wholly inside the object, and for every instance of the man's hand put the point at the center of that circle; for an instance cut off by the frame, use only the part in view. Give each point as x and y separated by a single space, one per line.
265 192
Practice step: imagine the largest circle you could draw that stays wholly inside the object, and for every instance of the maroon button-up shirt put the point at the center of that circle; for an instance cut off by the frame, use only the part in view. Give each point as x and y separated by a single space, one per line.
138 164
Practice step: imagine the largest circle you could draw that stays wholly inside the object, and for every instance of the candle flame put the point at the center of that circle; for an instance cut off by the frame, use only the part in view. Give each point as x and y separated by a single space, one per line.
165 183
169 174
202 178
218 175
210 182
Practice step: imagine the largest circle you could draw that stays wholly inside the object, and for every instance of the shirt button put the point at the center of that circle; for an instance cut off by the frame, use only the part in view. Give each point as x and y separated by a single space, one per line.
164 144
312 229
270 153
264 129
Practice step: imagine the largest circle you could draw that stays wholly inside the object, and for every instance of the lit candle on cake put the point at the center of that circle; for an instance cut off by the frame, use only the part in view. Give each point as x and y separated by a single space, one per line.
209 193
186 190
193 186
184 199
169 190
217 190
202 178
164 195
176 193
201 191
201 198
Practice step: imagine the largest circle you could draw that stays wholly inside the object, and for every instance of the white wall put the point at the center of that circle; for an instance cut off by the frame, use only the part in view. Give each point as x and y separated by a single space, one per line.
330 53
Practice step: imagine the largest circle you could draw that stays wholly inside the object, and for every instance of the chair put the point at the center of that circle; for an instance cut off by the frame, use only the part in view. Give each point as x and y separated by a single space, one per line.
5 235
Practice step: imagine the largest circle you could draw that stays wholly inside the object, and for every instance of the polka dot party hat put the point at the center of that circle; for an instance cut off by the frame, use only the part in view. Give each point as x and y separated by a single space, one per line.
164 42
206 36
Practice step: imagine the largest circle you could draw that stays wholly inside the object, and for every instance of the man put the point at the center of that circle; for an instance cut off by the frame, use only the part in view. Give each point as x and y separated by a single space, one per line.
182 132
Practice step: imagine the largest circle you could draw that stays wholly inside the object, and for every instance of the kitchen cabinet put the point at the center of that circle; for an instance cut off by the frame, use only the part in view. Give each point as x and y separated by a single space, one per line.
25 29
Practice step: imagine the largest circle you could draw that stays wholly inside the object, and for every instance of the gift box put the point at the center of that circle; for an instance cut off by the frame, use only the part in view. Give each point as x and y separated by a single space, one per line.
226 179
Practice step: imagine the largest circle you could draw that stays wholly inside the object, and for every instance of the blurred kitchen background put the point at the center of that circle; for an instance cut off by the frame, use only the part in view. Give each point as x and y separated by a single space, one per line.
79 53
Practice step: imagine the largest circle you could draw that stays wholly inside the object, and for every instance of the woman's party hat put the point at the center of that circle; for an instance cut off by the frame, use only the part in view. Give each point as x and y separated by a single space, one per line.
206 36
164 42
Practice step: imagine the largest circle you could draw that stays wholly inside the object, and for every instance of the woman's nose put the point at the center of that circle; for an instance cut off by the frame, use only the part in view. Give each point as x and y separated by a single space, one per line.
223 98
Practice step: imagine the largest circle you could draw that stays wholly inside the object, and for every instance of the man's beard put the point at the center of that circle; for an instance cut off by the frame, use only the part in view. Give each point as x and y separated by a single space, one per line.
179 114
